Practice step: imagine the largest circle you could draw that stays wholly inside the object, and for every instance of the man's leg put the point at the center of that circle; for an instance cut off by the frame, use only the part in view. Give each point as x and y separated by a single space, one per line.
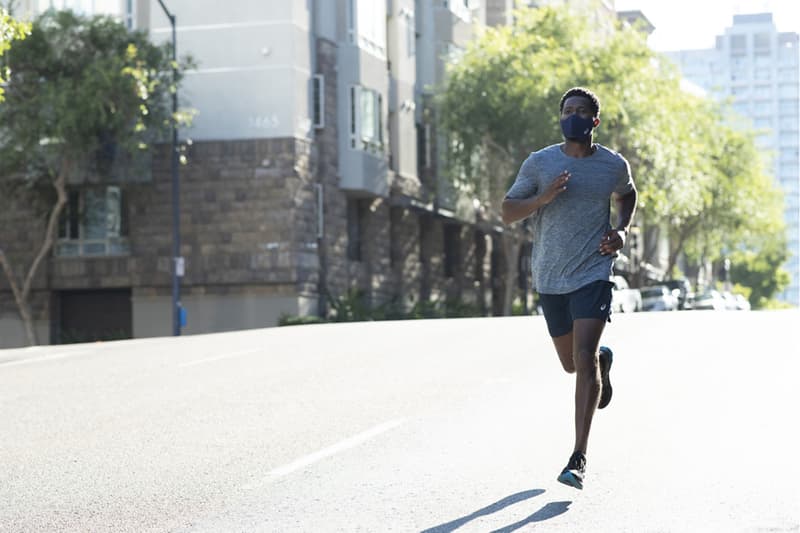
563 346
590 307
586 334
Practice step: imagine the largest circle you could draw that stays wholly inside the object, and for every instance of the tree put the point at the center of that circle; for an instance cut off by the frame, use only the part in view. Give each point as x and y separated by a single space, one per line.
85 99
500 101
761 270
742 207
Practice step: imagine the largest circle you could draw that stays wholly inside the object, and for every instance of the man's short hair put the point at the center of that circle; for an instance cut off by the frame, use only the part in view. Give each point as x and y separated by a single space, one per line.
586 93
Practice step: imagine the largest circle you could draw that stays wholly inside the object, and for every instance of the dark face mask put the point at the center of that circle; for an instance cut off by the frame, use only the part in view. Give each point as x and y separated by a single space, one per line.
577 128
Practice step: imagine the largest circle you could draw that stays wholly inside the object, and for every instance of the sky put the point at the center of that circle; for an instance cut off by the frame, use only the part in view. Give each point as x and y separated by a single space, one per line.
692 24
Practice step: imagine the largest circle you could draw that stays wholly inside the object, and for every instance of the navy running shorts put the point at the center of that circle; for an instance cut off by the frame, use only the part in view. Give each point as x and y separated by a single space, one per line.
590 301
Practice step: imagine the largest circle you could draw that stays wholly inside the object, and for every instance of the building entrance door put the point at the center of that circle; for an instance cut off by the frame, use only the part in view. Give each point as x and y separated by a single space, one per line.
94 315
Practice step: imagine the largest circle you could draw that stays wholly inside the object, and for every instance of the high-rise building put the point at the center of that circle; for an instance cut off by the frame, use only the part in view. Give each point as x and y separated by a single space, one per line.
757 68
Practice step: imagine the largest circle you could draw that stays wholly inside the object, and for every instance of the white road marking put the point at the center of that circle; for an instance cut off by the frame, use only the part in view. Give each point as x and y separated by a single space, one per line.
312 458
220 357
44 358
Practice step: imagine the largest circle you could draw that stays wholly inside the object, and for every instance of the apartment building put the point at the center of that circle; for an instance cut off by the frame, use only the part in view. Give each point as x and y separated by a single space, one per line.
758 69
312 170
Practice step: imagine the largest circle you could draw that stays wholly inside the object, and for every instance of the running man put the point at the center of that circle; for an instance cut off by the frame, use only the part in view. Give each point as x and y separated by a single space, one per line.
567 189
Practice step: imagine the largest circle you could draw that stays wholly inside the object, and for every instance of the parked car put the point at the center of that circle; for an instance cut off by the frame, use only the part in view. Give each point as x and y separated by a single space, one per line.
730 301
709 299
658 298
742 303
623 298
682 289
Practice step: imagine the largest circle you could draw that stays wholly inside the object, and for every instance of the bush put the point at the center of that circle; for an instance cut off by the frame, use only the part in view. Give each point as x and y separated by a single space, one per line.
355 307
294 320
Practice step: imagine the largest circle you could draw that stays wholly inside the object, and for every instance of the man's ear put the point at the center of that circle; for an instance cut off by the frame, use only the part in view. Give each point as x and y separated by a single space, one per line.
596 122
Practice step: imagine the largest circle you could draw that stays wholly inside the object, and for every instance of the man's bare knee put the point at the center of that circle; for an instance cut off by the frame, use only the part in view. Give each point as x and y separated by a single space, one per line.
586 361
569 366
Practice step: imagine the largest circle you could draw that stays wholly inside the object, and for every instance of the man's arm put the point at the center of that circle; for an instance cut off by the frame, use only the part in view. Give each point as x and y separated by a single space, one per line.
626 207
514 210
614 239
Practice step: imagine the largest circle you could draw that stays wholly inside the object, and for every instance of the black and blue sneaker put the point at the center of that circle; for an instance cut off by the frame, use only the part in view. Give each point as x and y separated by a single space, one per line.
606 357
573 473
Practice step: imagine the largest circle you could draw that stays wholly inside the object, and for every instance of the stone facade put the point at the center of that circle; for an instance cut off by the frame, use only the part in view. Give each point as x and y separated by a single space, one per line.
249 223
247 211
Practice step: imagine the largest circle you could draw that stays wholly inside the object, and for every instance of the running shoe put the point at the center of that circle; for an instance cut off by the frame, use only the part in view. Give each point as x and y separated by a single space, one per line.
573 473
606 358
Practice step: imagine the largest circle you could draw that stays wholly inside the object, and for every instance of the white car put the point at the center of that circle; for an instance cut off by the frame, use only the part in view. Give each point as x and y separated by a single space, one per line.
742 303
623 298
709 300
658 298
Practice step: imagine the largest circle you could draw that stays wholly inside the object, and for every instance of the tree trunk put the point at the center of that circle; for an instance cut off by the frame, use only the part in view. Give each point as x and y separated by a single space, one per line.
499 167
22 294
20 299
675 248
511 253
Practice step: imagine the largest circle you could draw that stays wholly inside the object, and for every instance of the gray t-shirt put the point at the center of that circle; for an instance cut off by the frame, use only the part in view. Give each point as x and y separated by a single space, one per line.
567 231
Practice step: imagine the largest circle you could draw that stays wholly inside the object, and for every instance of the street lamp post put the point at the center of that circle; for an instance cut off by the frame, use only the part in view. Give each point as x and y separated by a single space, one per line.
177 260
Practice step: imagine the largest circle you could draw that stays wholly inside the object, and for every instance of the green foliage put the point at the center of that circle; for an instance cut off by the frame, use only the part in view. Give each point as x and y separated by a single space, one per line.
760 269
10 30
697 177
82 93
294 320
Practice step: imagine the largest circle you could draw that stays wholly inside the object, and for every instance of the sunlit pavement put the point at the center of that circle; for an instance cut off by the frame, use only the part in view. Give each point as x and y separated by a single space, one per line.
436 425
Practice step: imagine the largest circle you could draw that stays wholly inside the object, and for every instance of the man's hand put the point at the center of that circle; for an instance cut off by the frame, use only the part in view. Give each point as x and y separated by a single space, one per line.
513 210
558 186
613 241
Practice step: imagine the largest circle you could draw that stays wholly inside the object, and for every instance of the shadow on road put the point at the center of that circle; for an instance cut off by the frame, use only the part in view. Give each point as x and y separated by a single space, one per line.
548 511
551 510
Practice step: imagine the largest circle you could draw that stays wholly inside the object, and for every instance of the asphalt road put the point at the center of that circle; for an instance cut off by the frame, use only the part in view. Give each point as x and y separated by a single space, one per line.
432 426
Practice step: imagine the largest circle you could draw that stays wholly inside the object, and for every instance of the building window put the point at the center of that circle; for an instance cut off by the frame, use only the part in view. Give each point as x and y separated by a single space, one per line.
789 170
423 147
452 245
318 103
741 92
366 25
411 31
788 138
762 91
789 123
762 123
130 14
366 119
356 219
738 45
763 73
763 61
762 44
94 223
788 106
743 108
762 107
787 90
789 155
788 74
